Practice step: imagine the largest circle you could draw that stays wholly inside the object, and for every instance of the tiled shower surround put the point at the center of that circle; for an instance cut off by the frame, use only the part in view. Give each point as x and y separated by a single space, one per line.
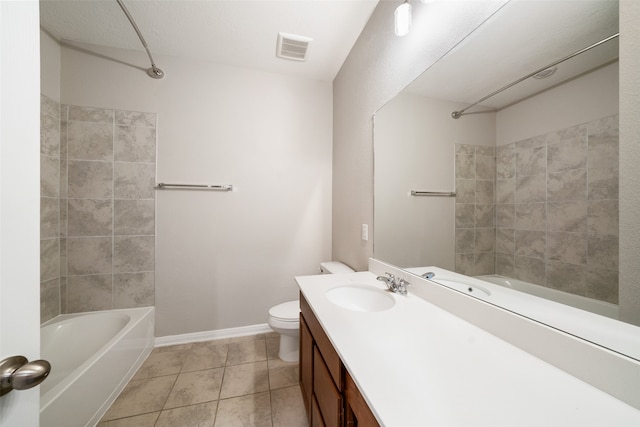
97 209
555 217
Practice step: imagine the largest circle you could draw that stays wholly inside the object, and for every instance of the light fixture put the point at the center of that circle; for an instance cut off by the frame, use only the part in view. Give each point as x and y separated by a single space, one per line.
403 19
545 73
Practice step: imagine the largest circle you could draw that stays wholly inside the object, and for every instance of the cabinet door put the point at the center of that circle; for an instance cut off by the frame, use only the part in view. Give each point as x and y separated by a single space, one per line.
316 417
358 412
306 364
328 397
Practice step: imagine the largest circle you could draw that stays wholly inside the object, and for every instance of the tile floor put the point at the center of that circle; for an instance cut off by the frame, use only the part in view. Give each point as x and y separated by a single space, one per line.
228 382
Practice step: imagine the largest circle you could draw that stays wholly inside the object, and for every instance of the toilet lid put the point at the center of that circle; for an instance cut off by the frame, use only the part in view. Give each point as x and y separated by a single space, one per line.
286 312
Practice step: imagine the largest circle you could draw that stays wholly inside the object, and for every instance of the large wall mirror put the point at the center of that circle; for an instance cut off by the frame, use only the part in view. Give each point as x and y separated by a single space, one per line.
521 189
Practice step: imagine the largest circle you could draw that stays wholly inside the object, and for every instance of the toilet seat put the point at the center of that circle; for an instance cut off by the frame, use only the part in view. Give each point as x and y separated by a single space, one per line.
286 312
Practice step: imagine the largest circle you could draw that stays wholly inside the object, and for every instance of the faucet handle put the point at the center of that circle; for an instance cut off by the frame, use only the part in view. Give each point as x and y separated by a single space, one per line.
391 276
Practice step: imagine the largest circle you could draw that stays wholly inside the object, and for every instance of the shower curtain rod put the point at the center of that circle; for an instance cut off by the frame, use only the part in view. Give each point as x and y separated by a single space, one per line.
458 114
154 71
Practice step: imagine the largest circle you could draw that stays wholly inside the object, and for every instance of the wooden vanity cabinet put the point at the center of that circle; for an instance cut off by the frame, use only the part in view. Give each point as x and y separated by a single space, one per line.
330 396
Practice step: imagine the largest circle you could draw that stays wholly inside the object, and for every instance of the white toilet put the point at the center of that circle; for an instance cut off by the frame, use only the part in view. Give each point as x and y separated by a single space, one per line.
285 318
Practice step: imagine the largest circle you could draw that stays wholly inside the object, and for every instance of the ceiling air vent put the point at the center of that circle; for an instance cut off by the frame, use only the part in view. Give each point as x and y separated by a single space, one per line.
291 46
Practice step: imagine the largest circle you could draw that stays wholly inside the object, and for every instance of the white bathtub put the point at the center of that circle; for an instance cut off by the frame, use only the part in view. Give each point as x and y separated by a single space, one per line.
599 307
93 356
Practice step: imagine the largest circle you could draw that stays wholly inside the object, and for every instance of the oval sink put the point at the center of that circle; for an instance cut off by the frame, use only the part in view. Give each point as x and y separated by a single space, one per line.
360 298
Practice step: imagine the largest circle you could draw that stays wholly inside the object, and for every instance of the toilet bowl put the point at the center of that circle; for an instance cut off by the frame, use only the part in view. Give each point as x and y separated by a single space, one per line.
285 318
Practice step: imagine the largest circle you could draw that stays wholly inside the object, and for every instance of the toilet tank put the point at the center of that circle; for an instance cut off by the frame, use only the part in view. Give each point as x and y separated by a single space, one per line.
334 267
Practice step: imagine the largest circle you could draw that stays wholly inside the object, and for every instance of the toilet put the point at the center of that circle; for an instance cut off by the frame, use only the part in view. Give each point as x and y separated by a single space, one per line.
285 318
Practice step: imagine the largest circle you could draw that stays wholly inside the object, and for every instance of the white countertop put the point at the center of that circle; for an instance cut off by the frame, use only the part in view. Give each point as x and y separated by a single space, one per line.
418 365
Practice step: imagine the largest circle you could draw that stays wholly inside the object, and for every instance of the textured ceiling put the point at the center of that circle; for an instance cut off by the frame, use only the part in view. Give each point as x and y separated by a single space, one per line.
233 32
522 37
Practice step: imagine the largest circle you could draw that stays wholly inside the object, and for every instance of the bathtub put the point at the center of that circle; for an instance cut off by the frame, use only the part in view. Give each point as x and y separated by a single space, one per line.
93 356
599 307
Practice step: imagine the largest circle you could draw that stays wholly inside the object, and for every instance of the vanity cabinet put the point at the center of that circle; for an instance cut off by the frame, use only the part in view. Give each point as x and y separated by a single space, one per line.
331 397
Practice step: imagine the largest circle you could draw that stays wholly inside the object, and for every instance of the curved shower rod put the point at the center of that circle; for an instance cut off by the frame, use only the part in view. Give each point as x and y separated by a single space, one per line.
154 71
459 113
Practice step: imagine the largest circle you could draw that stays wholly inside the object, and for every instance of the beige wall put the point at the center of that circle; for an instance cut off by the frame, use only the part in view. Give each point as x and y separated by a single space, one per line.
49 66
223 259
415 149
378 67
589 97
629 161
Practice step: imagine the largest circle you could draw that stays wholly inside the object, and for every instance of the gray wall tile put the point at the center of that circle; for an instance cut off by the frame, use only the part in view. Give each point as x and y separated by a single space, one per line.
49 211
485 240
49 259
603 217
90 141
530 270
570 248
567 155
465 190
133 254
505 240
505 216
465 240
602 251
567 185
531 161
530 243
567 216
505 190
90 217
602 285
485 263
484 192
133 290
531 188
567 277
134 217
505 162
466 264
505 265
89 293
465 166
485 166
571 133
465 215
49 299
135 144
50 136
49 107
89 114
88 179
135 118
137 180
531 216
89 255
485 215
49 176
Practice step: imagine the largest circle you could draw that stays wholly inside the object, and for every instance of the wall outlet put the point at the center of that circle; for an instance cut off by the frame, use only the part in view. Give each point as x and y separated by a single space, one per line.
365 232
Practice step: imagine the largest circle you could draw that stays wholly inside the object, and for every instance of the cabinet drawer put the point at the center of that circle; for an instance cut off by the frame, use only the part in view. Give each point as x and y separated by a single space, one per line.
328 396
330 356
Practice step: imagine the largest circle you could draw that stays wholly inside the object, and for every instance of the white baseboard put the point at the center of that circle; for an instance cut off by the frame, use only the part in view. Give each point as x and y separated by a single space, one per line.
212 335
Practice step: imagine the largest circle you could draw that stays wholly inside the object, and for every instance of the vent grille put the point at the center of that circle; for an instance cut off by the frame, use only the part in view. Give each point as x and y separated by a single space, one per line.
293 47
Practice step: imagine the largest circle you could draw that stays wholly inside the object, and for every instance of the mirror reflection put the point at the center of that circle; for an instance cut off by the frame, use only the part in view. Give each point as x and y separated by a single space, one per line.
533 169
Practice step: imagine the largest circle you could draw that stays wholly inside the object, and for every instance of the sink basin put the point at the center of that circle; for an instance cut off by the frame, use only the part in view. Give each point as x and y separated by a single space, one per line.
469 289
360 298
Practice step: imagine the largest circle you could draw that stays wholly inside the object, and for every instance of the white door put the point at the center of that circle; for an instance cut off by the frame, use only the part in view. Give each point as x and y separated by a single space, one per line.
19 199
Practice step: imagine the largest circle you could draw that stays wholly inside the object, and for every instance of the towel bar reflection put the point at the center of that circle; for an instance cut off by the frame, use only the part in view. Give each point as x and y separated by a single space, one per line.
433 193
164 186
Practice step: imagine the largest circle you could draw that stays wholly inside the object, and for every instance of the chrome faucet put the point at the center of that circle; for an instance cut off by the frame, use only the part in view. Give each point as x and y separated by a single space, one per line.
394 284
